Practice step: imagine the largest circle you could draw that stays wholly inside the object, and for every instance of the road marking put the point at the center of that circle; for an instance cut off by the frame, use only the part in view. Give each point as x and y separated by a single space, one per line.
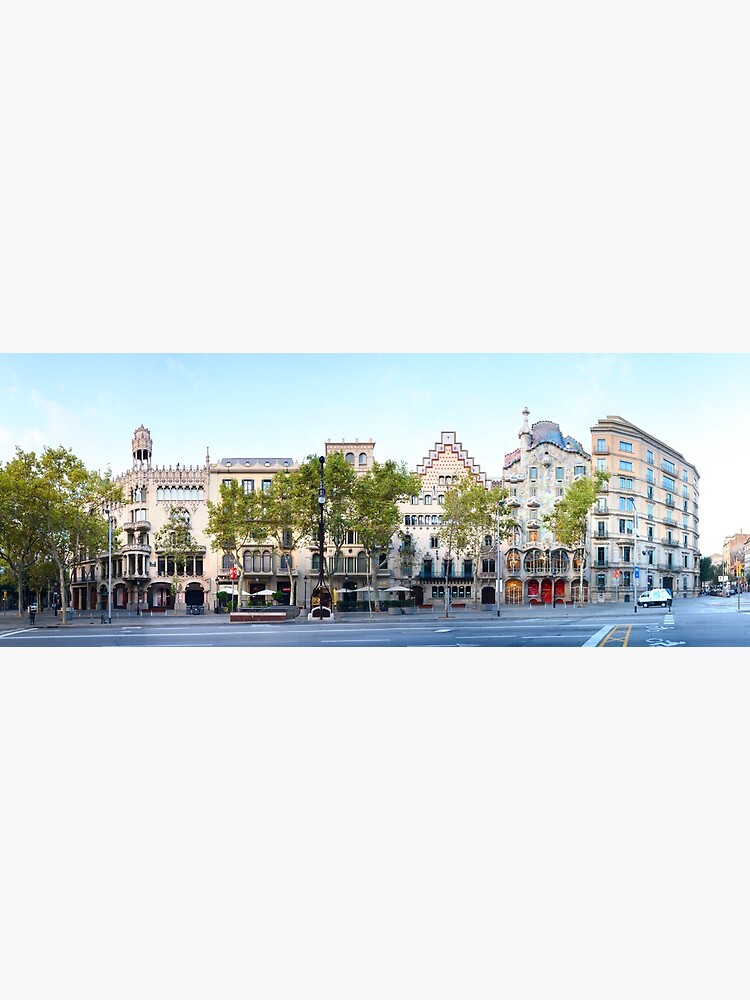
618 636
663 642
594 640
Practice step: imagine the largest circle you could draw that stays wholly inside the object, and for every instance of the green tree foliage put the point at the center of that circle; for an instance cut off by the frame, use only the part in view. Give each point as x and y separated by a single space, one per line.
470 516
21 537
708 572
569 521
175 541
231 525
52 512
375 513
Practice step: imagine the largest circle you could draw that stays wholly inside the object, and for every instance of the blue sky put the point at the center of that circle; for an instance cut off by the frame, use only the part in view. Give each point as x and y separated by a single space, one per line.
290 404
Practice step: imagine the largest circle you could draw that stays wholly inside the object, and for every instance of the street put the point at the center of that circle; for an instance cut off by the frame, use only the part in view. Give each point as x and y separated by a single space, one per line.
700 622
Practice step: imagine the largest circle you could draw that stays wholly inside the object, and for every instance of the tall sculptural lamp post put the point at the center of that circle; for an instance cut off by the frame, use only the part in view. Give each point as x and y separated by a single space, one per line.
321 596
499 578
109 583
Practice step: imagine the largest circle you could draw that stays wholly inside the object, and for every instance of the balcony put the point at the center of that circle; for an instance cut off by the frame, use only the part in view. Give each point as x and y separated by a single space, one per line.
136 575
131 526
135 547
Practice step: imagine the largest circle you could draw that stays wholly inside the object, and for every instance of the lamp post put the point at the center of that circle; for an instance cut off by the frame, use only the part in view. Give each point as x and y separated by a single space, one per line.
498 589
109 552
321 595
636 570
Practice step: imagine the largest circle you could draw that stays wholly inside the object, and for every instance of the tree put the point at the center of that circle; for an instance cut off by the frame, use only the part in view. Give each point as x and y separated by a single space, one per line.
708 572
21 538
231 525
283 516
72 498
470 516
175 542
569 521
376 514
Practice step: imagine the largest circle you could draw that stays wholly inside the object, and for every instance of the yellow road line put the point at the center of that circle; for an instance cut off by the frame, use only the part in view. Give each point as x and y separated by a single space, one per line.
617 636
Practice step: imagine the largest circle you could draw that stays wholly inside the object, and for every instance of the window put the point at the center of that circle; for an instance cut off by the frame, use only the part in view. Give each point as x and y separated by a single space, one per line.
559 475
650 457
560 491
427 499
625 465
684 475
248 485
580 470
362 458
601 444
226 482
533 535
626 526
533 474
668 484
349 457
265 485
626 553
626 484
624 503
227 561
625 446
649 510
601 465
626 579
649 492
488 566
668 466
434 542
670 500
649 475
601 581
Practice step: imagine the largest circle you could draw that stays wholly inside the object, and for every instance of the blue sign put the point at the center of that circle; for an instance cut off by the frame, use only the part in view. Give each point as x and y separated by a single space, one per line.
636 572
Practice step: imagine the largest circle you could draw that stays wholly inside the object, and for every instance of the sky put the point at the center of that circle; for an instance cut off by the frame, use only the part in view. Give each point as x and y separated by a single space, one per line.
288 405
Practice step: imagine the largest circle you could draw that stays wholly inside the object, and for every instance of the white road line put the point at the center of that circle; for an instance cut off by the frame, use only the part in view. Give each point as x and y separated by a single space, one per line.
597 638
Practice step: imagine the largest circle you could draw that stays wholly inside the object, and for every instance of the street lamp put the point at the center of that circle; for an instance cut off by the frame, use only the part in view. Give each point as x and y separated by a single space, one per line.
321 595
109 582
498 588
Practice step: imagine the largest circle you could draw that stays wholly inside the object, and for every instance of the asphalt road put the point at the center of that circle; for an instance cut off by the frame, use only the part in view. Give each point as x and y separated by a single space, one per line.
699 622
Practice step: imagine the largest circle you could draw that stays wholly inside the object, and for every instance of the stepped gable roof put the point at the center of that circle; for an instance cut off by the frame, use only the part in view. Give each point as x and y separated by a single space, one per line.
511 457
448 442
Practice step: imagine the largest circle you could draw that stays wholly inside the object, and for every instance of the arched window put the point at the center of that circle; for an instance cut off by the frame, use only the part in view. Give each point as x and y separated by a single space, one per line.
362 458
361 562
159 493
350 457
227 561
441 498
256 562
427 498
247 562
315 563
266 561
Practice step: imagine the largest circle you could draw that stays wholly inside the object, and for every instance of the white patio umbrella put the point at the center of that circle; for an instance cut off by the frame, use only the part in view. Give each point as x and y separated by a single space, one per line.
228 590
364 590
406 590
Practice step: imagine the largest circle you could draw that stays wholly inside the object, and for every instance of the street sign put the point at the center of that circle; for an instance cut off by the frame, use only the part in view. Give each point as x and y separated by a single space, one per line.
233 574
616 574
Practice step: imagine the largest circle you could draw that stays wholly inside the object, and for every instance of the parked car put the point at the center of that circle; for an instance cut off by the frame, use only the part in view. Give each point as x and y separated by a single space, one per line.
658 598
33 607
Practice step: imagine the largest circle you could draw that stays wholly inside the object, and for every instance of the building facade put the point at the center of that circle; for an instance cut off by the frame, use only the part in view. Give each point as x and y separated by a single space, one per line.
646 524
536 569
644 529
